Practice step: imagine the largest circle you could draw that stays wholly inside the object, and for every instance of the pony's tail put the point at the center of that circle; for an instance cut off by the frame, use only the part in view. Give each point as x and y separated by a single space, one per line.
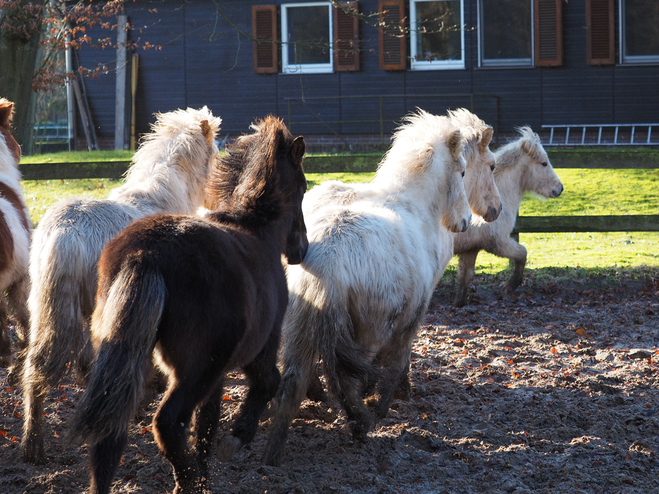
344 361
124 326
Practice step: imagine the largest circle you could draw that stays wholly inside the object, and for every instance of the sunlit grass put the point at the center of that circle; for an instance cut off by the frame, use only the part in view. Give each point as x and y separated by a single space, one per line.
42 194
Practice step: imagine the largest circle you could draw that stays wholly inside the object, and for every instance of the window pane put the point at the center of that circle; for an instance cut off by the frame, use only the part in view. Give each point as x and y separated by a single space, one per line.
438 30
308 35
506 29
641 27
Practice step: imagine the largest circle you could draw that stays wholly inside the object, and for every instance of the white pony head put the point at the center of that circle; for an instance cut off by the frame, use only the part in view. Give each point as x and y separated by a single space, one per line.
484 198
425 160
531 163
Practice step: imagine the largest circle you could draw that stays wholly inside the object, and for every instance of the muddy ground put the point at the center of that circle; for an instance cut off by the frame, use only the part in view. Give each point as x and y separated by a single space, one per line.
551 391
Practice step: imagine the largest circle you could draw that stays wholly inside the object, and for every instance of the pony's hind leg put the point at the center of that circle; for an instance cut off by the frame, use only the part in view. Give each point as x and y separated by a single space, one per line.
395 361
17 302
5 340
466 268
206 422
51 347
298 367
169 429
105 457
264 381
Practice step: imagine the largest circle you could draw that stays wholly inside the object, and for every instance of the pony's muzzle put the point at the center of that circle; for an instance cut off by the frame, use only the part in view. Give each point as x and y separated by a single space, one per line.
296 255
493 213
557 192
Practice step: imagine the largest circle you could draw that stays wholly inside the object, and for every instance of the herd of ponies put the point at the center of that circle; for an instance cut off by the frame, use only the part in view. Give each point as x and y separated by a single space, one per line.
201 263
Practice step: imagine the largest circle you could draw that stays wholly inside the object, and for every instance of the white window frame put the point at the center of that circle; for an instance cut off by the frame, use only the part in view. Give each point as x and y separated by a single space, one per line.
434 64
504 62
630 59
305 68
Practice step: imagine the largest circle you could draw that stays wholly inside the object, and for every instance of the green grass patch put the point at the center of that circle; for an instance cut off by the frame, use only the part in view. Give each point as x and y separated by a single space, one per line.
78 157
599 192
42 194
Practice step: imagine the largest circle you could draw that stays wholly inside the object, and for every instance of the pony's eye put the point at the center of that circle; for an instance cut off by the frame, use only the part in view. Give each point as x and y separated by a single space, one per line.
544 163
463 174
492 167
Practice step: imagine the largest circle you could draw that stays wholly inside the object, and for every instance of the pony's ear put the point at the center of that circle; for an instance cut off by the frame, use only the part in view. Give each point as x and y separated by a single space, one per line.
206 131
298 148
6 112
454 144
486 139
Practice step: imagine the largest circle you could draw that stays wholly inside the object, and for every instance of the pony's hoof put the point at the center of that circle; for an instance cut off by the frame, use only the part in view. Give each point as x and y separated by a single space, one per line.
34 452
13 376
228 447
360 429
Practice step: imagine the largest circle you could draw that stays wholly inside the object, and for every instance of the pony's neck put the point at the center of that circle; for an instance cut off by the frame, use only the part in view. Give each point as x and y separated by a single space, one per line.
508 175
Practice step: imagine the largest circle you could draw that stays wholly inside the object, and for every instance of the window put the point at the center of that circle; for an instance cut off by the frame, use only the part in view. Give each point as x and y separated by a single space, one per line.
311 46
639 31
520 33
306 31
436 34
506 34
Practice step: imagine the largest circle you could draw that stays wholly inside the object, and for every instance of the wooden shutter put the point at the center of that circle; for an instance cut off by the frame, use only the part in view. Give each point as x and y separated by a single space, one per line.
264 31
600 32
548 33
393 39
346 36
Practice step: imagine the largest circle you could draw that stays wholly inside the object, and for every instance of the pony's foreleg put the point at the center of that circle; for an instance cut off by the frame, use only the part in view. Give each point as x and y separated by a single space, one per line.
264 381
298 366
466 268
517 253
105 457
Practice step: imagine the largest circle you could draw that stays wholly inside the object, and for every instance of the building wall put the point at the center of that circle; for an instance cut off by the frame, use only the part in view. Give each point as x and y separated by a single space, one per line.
206 59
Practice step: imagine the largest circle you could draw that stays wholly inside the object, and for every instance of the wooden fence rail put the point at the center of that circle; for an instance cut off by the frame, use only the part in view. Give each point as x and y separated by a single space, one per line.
561 158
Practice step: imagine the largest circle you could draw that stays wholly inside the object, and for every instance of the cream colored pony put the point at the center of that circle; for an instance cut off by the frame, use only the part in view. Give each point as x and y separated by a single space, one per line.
372 264
521 166
168 174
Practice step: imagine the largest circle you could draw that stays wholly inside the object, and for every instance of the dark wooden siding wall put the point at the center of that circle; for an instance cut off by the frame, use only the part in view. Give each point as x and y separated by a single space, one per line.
207 59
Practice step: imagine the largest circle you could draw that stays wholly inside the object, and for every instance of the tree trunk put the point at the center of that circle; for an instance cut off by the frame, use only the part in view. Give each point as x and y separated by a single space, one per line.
18 54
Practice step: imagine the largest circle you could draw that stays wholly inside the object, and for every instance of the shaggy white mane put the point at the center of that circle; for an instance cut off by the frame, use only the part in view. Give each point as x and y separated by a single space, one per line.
415 144
527 144
471 128
169 152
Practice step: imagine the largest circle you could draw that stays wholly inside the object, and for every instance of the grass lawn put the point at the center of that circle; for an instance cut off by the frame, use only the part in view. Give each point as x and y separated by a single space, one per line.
596 192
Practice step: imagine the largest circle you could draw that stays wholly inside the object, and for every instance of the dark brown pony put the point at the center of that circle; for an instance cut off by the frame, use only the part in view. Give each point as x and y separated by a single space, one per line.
15 230
208 295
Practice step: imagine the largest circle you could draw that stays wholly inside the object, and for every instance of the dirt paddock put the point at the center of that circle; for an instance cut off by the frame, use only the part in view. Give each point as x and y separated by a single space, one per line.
553 390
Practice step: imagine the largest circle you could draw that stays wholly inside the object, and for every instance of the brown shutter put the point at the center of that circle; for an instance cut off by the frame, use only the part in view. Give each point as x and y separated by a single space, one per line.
600 32
548 33
264 32
346 36
393 39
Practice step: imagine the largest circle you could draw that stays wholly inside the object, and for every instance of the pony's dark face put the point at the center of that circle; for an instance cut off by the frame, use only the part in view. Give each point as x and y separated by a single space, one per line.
296 241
